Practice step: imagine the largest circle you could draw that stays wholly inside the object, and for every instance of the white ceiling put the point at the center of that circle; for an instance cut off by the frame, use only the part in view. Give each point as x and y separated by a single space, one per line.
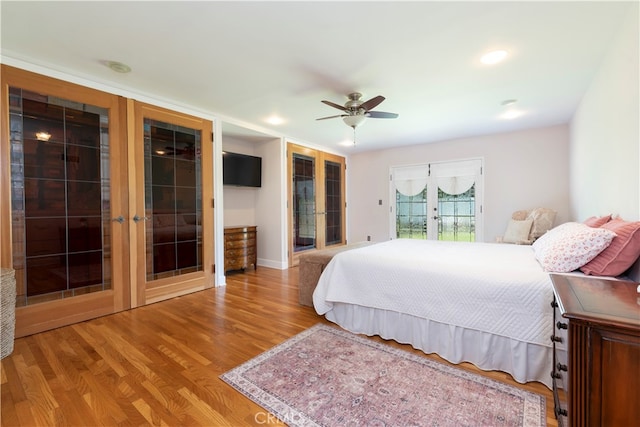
246 61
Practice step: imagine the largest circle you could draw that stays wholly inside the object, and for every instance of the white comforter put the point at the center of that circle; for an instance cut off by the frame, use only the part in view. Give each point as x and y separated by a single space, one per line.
496 288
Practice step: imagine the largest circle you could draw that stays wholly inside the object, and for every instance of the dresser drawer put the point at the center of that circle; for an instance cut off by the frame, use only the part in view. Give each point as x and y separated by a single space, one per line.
239 236
232 244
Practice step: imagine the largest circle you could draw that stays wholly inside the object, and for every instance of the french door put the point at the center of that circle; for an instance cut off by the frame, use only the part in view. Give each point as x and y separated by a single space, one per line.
171 212
316 200
63 181
106 203
437 201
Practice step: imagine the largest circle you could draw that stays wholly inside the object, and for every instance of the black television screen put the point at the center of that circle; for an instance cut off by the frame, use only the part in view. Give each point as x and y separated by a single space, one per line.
241 170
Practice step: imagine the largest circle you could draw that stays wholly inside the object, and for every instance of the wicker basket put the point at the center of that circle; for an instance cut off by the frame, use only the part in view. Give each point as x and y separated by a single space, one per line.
7 311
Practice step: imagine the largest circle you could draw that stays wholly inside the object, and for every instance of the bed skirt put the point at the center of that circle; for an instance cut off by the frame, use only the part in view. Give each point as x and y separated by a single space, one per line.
523 361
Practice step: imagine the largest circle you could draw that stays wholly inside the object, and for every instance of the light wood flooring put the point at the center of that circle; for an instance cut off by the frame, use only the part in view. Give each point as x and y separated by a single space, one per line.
159 364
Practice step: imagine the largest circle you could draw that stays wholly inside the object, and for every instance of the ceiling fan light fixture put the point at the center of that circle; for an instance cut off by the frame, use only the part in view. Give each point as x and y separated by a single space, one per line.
354 121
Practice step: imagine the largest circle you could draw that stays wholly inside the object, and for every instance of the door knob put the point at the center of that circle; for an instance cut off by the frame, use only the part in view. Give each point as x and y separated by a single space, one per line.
138 219
119 219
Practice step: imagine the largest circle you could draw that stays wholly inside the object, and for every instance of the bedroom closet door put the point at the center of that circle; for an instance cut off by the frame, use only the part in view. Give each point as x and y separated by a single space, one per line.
63 200
171 210
437 201
316 200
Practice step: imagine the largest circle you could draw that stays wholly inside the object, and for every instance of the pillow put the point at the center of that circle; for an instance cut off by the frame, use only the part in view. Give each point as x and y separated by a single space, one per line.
597 221
518 231
571 245
542 222
623 251
520 215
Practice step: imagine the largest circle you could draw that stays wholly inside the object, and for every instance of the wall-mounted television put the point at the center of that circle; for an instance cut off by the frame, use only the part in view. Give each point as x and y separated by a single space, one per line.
241 170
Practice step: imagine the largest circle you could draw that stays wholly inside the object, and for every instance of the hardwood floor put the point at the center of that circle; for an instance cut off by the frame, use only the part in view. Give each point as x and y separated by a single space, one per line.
159 364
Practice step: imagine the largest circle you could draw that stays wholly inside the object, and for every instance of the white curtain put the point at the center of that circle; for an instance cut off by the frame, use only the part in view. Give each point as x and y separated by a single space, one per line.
411 180
456 178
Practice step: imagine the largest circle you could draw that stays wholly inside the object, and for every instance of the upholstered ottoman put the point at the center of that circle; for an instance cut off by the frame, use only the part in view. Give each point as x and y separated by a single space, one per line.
311 267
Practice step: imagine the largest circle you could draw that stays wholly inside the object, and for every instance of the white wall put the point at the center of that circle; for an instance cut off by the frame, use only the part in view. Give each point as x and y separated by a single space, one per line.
605 135
263 207
522 170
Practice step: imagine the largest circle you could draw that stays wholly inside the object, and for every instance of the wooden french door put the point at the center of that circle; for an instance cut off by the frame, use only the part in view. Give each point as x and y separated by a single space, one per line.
63 180
171 212
106 203
316 200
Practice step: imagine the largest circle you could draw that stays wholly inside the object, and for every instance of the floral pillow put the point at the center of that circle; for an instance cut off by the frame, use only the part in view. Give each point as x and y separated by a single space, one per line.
571 245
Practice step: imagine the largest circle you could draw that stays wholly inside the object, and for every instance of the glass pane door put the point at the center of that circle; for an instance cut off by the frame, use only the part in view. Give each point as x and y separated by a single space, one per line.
304 203
411 215
333 202
171 205
457 216
60 197
173 199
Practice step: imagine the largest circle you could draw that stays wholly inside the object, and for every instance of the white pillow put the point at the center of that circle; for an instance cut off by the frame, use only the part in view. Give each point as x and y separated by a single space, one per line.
518 231
571 245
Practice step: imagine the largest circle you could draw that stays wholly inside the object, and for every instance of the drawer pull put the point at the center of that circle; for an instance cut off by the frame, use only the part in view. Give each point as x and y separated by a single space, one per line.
555 375
560 411
561 325
556 339
562 367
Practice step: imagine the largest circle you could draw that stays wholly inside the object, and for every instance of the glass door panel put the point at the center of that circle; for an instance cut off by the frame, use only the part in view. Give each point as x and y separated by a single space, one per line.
304 203
173 199
172 226
411 215
333 203
60 197
457 216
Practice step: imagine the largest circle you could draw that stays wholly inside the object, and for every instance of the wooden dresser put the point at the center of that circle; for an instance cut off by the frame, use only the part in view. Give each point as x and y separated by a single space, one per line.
239 247
596 341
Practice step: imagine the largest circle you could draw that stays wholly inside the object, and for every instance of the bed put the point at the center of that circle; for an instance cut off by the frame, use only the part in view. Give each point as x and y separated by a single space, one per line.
484 303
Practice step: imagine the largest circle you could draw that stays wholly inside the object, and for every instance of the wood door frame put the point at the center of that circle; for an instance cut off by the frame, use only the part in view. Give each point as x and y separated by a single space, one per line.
142 291
38 317
320 157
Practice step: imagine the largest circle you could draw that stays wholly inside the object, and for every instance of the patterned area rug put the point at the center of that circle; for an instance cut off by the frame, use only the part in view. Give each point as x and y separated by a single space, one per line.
329 377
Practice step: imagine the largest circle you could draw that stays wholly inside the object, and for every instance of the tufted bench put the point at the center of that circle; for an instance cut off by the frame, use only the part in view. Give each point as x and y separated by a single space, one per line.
311 267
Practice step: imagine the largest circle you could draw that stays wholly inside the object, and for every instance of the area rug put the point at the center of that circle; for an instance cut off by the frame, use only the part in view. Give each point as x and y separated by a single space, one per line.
326 376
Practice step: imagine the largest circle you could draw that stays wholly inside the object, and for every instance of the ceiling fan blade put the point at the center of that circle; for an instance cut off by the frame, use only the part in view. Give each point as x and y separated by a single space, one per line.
339 107
381 115
332 117
372 103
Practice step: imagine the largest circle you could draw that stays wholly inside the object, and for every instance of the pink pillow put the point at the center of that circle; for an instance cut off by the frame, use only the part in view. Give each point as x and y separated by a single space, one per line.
569 246
597 221
623 251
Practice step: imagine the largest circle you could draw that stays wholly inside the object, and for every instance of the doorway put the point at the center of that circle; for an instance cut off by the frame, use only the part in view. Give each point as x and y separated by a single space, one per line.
437 201
316 200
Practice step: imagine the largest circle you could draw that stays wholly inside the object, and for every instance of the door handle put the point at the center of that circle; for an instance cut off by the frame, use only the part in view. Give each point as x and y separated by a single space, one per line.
435 217
119 219
138 219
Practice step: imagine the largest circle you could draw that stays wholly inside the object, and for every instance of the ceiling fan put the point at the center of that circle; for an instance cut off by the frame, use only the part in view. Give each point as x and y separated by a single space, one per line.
357 111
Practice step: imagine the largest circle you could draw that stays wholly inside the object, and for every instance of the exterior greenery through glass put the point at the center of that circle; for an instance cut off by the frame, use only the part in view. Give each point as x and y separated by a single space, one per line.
411 215
457 216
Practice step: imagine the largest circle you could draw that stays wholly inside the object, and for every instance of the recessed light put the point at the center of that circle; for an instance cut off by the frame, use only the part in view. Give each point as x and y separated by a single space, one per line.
493 57
275 120
511 114
508 102
118 67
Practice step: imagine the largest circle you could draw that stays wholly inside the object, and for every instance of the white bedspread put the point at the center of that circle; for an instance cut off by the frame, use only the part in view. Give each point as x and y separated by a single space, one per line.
495 288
